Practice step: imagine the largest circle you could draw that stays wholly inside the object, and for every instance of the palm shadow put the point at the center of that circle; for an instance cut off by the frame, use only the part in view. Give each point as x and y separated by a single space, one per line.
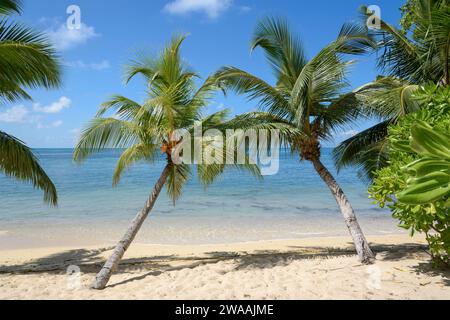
91 261
266 259
57 262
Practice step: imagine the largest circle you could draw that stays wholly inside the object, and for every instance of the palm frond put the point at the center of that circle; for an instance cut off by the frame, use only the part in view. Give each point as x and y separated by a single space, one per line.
355 39
344 111
8 7
132 155
421 57
218 157
320 82
367 150
204 94
104 133
269 98
209 173
27 57
262 121
388 98
130 110
284 51
178 177
122 107
19 162
10 92
215 120
143 66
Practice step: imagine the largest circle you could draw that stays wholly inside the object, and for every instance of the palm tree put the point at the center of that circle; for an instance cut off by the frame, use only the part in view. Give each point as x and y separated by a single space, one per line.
306 99
27 60
408 59
146 129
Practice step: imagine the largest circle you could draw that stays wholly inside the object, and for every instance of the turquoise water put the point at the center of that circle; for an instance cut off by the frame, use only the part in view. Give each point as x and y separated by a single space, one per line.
292 204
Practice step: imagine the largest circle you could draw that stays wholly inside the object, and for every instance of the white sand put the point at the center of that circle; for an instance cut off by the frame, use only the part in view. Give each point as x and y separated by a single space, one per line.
319 268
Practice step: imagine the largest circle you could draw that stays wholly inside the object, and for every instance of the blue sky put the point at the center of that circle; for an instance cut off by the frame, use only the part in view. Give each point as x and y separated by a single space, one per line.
113 32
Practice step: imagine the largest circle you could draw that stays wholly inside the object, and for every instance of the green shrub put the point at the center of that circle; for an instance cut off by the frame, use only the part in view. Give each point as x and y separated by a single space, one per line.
415 185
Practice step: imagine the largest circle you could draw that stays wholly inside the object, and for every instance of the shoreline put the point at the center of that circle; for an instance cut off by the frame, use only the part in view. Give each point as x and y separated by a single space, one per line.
140 250
339 242
313 268
191 231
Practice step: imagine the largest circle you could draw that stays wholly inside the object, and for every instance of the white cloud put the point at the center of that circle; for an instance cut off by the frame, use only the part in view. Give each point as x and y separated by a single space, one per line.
21 115
17 114
80 64
65 39
54 124
55 107
212 8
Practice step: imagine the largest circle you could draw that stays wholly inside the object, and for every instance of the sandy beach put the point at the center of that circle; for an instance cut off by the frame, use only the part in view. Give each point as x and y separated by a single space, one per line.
319 268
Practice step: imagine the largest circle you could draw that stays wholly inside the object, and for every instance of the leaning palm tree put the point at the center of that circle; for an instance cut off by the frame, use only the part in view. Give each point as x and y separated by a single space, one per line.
144 130
409 58
306 99
27 60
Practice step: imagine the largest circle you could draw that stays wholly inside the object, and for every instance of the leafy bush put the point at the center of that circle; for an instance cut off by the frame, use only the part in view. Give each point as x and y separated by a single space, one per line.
415 185
431 173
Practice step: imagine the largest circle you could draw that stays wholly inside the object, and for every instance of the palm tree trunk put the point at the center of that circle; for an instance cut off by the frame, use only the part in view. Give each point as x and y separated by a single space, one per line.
365 254
105 274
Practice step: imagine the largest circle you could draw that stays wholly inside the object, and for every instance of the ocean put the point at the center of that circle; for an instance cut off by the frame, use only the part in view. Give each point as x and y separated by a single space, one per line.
292 204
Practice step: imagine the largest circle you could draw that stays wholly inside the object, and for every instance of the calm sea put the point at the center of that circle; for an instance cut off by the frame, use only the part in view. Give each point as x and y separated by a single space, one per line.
237 208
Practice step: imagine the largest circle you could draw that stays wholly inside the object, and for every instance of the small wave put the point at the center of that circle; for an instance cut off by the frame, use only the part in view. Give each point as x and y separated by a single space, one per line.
3 233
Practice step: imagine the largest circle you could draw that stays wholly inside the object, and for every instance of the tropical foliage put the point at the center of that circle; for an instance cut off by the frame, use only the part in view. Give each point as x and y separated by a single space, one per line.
408 58
27 60
306 102
415 184
430 174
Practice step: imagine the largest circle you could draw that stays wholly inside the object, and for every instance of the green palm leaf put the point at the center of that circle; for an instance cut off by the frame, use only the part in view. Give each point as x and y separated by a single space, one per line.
178 177
8 7
367 151
27 58
105 133
284 51
133 155
19 162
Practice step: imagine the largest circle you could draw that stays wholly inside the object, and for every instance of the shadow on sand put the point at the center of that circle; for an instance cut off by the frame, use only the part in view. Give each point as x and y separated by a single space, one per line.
90 261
